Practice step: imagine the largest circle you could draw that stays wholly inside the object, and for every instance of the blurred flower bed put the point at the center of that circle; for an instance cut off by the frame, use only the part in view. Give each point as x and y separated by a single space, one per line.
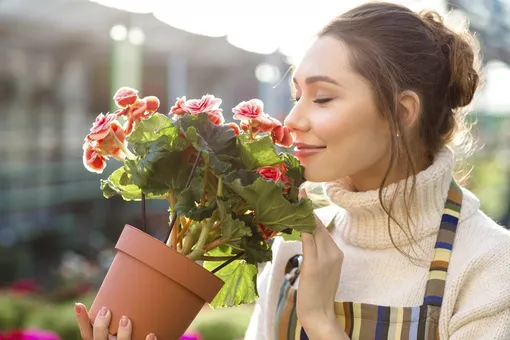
26 315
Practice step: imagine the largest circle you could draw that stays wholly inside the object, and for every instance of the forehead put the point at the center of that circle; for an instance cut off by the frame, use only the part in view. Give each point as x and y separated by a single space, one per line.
326 56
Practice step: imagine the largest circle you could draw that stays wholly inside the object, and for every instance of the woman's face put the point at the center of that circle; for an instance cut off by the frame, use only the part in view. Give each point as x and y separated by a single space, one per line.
339 130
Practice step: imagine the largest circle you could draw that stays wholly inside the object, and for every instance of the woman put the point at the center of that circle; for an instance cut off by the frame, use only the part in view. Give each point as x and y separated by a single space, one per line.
408 255
378 97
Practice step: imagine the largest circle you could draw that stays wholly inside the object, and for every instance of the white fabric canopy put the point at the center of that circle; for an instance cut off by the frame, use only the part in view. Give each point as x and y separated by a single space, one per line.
259 26
287 26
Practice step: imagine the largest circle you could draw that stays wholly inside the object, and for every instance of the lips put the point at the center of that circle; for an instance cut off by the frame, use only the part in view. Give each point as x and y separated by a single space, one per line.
303 151
301 146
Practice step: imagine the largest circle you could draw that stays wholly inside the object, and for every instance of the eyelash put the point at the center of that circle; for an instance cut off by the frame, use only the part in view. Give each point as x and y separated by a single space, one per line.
316 101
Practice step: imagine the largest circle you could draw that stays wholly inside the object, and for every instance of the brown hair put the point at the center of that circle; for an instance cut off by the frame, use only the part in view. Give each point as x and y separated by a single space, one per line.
396 49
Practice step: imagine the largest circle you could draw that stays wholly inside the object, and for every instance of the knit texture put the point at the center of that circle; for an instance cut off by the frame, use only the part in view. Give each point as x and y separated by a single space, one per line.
476 303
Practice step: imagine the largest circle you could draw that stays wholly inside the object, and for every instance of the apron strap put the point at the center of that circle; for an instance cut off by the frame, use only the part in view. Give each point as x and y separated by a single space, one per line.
434 291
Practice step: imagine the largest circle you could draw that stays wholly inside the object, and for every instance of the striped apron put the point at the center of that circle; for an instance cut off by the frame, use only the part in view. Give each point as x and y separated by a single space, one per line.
368 322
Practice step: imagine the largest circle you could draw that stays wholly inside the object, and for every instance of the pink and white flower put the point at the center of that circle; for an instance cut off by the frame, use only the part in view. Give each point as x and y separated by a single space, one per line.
207 104
235 127
251 109
93 160
282 136
152 104
101 127
125 96
179 107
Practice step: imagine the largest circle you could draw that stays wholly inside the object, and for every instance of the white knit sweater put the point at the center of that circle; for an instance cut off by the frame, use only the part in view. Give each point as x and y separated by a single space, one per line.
476 304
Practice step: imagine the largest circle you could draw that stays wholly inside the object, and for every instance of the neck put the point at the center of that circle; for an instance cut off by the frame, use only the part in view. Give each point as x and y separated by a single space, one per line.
417 213
377 176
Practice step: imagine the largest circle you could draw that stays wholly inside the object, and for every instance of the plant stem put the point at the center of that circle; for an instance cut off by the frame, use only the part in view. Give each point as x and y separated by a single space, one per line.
185 226
144 214
199 247
219 192
206 177
181 232
215 258
188 243
123 147
174 232
170 198
213 244
215 226
226 263
188 182
250 132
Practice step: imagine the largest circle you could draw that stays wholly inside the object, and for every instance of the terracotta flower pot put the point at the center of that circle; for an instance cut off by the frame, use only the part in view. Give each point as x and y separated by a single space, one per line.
160 290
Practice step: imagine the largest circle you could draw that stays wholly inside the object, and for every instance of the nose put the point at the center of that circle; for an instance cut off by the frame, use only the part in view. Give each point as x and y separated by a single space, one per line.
297 120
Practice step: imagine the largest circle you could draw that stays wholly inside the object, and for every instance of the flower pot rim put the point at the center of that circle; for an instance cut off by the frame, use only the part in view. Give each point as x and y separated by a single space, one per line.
134 242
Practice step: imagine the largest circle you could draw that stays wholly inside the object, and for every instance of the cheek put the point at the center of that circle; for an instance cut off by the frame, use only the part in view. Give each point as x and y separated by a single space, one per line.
348 122
356 138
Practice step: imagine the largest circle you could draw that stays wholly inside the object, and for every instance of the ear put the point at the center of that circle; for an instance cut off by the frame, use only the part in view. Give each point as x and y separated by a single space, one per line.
410 104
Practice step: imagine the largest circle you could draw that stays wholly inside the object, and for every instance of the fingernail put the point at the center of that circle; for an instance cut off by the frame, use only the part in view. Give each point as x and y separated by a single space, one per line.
103 311
77 308
152 336
124 321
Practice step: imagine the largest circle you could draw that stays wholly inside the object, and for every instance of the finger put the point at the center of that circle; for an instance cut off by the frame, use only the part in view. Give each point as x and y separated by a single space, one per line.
82 317
125 327
151 337
309 248
307 239
100 329
302 194
320 233
324 241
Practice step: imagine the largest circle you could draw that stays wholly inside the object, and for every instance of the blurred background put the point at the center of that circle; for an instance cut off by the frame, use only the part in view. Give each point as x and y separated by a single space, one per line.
62 60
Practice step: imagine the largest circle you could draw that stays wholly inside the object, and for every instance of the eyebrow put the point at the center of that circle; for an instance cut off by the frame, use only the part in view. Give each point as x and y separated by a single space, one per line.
319 78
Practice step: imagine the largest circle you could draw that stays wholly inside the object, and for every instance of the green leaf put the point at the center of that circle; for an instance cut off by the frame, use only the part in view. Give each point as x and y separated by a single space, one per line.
172 141
293 236
152 128
295 172
159 170
240 283
258 153
118 183
217 142
256 249
231 229
187 201
271 208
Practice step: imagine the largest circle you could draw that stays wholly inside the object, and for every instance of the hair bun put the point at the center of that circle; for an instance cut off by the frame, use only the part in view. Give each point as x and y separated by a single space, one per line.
459 50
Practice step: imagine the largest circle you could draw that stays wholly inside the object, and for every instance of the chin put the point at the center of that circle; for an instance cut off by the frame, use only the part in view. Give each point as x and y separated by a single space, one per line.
315 175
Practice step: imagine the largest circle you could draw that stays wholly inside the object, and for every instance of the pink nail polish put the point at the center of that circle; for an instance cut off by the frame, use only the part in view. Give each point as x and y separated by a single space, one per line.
124 321
103 311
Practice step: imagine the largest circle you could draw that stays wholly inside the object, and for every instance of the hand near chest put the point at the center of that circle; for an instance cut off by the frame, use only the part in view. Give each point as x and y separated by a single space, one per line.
318 284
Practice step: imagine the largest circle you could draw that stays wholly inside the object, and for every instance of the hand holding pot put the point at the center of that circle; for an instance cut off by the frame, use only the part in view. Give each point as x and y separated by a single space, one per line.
100 329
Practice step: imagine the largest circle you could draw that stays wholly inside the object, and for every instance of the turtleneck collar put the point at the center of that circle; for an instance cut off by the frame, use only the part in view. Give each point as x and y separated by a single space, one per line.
365 223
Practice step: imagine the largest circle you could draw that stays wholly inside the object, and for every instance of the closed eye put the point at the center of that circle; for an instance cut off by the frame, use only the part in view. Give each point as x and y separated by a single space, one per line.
316 101
322 100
